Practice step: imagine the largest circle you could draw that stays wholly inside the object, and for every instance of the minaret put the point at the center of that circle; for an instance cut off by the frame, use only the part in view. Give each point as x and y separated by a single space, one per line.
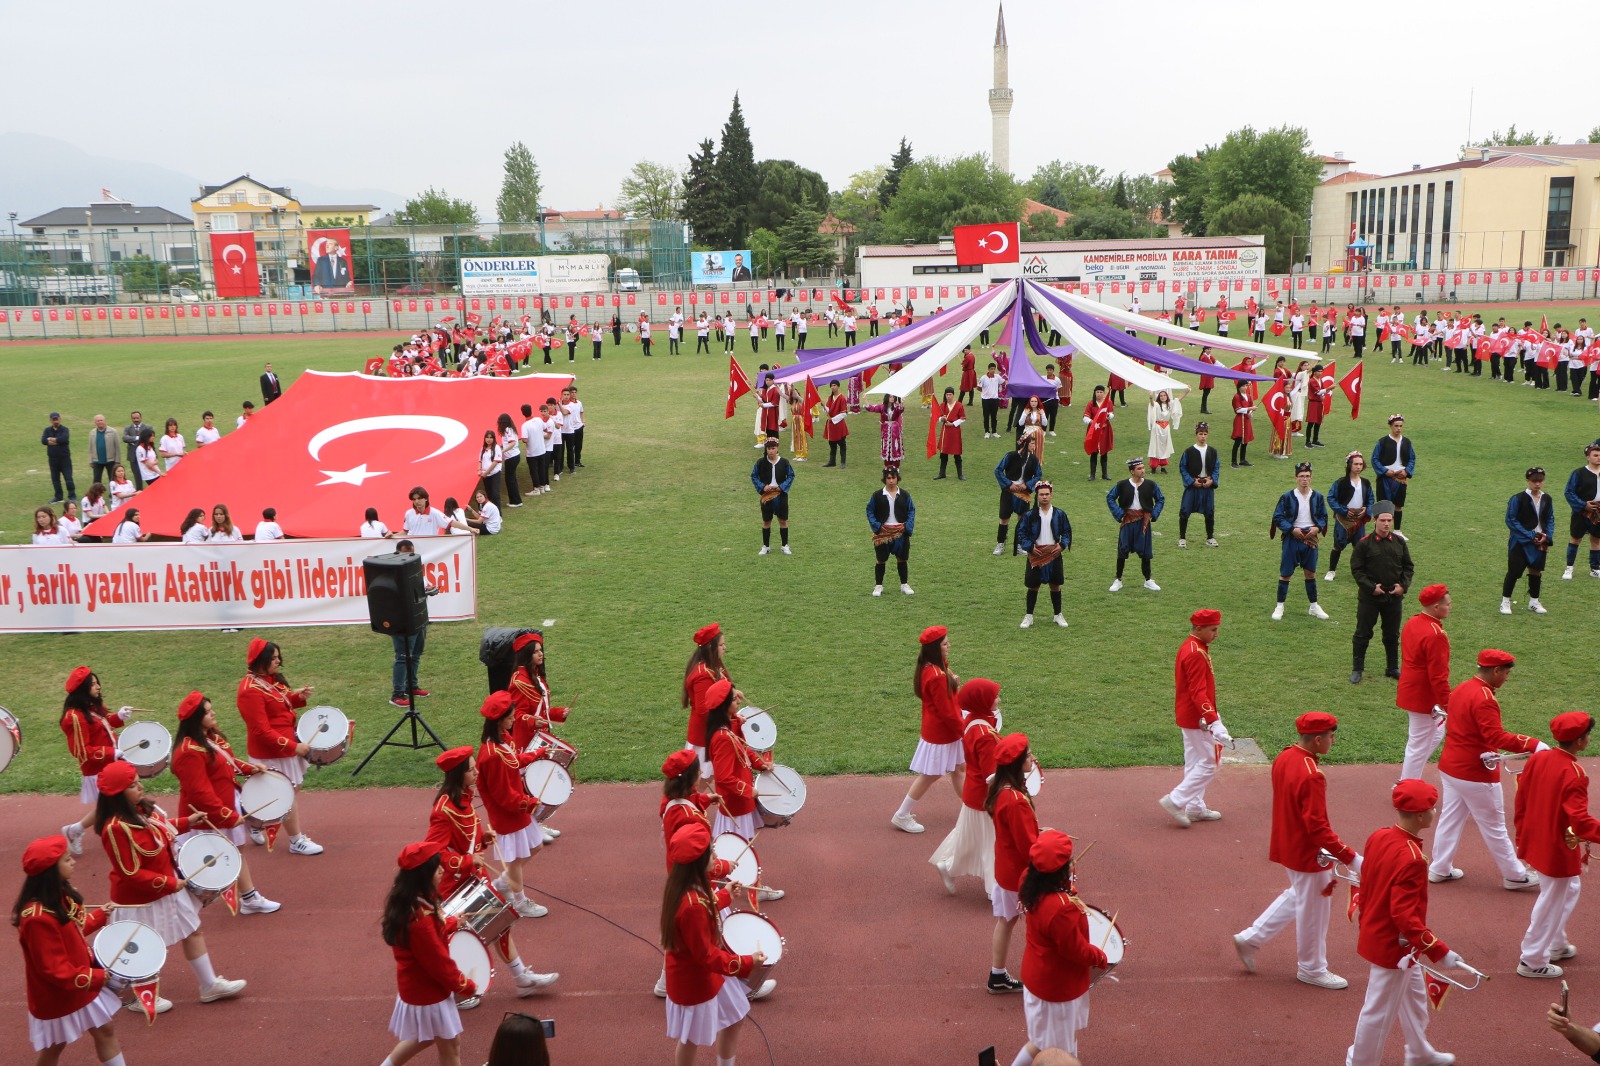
1000 98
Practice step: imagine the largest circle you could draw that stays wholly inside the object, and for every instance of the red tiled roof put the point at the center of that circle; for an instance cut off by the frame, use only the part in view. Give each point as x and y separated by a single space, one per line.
1033 207
581 216
1349 176
835 225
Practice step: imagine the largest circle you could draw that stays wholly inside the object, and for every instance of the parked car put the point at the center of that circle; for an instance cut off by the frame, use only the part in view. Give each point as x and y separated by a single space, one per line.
628 280
414 289
182 294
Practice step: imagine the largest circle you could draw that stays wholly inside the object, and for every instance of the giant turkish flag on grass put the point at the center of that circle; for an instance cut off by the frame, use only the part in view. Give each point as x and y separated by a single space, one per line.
334 445
233 265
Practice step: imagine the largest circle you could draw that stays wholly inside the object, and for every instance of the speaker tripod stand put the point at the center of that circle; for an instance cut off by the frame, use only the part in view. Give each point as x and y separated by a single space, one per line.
411 717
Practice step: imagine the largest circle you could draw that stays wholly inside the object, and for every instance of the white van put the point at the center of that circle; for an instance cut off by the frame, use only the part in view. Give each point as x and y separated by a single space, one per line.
628 280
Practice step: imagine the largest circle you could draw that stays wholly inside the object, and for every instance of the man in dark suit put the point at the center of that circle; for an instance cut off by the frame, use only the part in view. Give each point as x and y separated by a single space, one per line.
331 271
740 271
271 387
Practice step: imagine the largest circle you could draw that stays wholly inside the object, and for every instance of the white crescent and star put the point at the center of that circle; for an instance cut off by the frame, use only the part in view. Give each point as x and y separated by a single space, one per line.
450 433
243 257
1005 242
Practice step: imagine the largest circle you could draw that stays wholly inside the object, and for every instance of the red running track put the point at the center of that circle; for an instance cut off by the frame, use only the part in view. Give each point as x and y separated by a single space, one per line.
882 966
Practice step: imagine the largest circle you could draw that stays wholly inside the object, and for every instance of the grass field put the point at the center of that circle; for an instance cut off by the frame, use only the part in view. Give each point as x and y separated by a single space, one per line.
659 534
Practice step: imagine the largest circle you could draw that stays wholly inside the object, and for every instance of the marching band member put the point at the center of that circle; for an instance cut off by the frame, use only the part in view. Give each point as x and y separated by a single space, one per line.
968 851
683 804
507 802
1394 933
1552 816
91 740
939 743
453 823
1016 827
1471 789
203 763
145 887
1423 691
703 1007
1195 708
1058 959
425 1012
703 670
67 993
1300 830
734 767
267 705
530 701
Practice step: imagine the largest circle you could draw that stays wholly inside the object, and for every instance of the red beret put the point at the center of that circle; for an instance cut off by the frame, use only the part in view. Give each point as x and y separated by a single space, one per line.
678 762
1414 795
1206 616
497 705
190 705
257 646
117 777
1492 657
706 634
1313 722
689 843
526 639
718 692
449 760
79 675
1432 594
933 634
977 695
1010 749
414 855
1050 852
43 854
1570 726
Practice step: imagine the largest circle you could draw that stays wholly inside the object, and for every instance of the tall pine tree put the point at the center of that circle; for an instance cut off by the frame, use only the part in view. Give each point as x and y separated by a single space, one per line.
702 199
897 167
519 189
737 176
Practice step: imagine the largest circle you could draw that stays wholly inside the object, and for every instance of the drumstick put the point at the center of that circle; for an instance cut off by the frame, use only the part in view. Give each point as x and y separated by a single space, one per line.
1107 938
747 846
125 943
1079 857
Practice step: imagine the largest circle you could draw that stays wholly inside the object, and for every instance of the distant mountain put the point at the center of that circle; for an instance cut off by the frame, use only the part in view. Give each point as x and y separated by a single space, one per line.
39 174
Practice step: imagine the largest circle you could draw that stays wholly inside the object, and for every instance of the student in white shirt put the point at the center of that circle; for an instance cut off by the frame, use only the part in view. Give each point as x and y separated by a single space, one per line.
147 457
425 521
222 527
729 331
172 445
551 411
488 520
572 408
194 528
95 505
372 529
245 414
207 433
128 531
268 529
122 489
71 529
460 525
535 441
491 460
46 532
800 327
511 449
703 332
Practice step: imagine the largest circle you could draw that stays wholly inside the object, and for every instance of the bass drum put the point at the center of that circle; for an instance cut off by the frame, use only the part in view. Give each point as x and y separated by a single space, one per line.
10 738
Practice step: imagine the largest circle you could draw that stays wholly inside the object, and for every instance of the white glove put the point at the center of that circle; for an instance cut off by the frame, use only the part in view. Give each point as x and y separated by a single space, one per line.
1355 864
1542 747
1452 960
1219 732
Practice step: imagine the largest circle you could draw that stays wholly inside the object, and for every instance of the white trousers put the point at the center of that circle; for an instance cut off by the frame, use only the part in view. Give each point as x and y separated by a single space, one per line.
1391 993
1303 904
1199 767
1547 927
1484 802
1421 742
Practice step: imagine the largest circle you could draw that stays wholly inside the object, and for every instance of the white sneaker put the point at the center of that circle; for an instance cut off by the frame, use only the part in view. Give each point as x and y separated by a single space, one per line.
1150 584
258 837
1316 611
1060 621
1536 607
1505 604
661 985
1322 980
1246 952
764 549
162 1006
1330 575
529 982
1566 575
74 835
1439 879
1027 621
1203 814
1211 542
1116 586
304 845
908 590
1000 549
468 1002
548 834
1173 809
221 988
769 986
785 550
257 904
769 894
944 875
1528 880
907 823
1594 573
1547 970
1182 543
1277 613
527 908
877 590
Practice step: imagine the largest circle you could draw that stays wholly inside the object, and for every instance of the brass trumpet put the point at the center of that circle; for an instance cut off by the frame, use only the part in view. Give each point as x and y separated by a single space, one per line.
1491 759
1340 871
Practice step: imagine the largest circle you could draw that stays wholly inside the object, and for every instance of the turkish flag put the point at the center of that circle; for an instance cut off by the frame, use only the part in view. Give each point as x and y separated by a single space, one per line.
1438 988
1276 401
936 413
1327 381
1277 329
738 385
812 400
233 264
1351 384
147 996
1548 353
341 443
997 243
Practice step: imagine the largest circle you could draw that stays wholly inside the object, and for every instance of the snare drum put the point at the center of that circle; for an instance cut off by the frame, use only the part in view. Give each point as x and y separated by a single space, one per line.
739 851
780 793
759 729
559 750
266 798
139 952
745 933
327 731
10 738
207 882
1107 936
480 909
147 745
550 784
472 959
1033 781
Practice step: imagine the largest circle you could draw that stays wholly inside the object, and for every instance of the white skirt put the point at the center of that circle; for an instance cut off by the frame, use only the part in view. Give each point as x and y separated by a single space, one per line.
437 1021
65 1030
519 845
1055 1024
1007 906
745 825
701 1023
294 768
936 760
89 791
174 916
969 849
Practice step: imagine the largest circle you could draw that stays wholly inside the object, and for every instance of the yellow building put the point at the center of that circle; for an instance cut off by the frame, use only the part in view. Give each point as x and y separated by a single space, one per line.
273 214
1504 207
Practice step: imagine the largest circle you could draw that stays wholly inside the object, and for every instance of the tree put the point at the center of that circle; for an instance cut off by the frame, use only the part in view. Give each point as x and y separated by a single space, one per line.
1594 136
333 222
702 199
434 207
897 168
1119 194
142 274
519 188
801 245
1277 164
764 246
1513 137
736 174
1043 226
782 186
1188 191
651 191
936 194
857 204
1104 222
1067 186
1254 213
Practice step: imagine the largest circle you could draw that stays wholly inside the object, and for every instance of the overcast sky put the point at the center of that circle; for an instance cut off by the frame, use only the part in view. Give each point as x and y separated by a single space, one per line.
409 93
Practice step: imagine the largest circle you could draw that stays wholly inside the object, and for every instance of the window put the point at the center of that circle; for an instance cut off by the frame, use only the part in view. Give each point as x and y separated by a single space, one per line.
1556 259
116 256
1427 230
225 222
1558 222
1405 197
72 233
1354 221
109 232
263 198
1377 232
38 231
945 268
1444 224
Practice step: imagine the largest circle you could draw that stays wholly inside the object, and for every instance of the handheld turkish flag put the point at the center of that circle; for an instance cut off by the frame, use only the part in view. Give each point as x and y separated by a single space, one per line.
738 385
1327 382
811 402
148 999
1485 348
1277 329
1000 242
233 265
1351 384
1354 905
474 318
1549 352
1276 402
933 427
1438 988
1544 325
272 835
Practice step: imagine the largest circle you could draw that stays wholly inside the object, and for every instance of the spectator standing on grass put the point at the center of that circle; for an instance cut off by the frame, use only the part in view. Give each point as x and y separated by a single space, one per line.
271 387
102 450
57 441
130 440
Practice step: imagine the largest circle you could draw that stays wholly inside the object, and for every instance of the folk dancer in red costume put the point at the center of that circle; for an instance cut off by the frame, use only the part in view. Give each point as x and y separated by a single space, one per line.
939 752
836 430
1098 436
1300 833
1195 708
425 1013
1552 820
92 740
968 850
1423 691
